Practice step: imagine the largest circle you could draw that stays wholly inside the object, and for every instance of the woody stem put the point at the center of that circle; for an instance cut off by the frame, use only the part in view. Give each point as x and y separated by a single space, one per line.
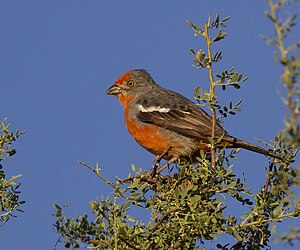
212 94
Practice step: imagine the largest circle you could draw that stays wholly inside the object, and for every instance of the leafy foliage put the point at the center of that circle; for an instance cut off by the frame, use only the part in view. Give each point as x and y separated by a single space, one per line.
187 207
9 189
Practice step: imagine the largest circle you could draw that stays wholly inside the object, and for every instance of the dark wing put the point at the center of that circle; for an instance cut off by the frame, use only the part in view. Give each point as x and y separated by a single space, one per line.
172 111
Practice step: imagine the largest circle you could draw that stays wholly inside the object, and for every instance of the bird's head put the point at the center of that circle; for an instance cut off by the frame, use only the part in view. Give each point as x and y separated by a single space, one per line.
131 84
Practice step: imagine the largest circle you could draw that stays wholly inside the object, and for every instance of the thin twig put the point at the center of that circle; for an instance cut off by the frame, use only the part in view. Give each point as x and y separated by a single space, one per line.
58 241
128 243
144 177
115 187
254 223
154 228
290 237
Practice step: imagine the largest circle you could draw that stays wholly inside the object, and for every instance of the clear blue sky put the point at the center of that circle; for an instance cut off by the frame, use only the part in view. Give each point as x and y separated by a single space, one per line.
57 58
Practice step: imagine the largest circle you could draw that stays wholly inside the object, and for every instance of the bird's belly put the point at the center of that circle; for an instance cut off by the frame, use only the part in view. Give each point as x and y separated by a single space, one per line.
157 140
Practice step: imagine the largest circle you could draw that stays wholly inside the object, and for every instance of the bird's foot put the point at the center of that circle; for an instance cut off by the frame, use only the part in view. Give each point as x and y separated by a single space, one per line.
157 160
167 164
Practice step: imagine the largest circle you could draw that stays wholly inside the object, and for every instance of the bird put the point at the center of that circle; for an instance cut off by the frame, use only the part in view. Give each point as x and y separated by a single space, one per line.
168 124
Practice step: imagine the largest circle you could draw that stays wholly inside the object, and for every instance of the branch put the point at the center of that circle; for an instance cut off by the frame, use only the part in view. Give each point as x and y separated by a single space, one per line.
173 210
254 223
115 187
128 244
290 238
212 94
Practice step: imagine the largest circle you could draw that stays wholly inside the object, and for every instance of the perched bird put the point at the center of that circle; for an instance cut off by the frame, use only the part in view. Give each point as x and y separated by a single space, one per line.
160 119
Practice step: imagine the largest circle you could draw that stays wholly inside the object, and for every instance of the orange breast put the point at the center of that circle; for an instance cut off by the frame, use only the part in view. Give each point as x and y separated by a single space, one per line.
151 138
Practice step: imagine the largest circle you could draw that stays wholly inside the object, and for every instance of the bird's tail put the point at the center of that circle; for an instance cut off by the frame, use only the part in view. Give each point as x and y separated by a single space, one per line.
237 143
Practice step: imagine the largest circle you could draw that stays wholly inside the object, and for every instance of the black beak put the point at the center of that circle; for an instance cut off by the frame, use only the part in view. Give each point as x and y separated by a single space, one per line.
114 90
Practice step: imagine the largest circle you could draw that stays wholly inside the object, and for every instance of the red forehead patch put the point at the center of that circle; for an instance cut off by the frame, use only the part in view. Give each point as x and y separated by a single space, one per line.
123 78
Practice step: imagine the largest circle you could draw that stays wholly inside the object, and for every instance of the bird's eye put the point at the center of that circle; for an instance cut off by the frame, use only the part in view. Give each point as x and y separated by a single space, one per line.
130 83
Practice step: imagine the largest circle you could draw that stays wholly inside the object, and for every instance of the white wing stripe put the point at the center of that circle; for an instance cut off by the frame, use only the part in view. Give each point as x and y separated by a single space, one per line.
152 109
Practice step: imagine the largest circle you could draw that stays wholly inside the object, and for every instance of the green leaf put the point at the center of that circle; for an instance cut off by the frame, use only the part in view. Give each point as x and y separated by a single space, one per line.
225 19
232 184
133 167
245 79
195 199
131 219
202 56
184 193
189 22
192 51
236 86
234 77
57 207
